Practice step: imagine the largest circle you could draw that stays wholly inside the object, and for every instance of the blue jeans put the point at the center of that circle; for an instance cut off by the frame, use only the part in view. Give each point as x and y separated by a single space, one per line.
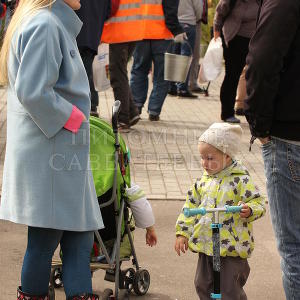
282 169
76 248
146 52
187 50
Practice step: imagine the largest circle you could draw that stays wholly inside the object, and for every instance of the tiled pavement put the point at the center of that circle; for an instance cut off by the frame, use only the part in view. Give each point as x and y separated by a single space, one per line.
165 158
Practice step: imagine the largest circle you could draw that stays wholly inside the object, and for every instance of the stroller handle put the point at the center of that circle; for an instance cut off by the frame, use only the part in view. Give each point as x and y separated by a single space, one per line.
189 212
115 113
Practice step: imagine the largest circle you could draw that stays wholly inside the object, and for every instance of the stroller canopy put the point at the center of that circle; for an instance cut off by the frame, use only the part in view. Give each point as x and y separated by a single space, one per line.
102 151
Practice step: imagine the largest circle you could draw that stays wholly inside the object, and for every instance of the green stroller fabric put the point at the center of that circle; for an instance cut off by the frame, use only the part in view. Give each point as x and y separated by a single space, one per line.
102 151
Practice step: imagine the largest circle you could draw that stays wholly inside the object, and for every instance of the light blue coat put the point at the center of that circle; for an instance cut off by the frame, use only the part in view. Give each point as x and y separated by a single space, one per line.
47 180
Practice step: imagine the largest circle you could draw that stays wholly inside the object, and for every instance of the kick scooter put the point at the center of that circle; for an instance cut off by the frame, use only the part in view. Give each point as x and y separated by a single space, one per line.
215 226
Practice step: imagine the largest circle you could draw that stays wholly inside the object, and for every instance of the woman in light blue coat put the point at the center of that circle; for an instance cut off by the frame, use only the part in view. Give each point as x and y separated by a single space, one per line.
47 181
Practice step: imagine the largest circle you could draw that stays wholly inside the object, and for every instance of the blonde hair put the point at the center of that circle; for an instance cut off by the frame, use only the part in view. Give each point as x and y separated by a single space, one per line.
24 10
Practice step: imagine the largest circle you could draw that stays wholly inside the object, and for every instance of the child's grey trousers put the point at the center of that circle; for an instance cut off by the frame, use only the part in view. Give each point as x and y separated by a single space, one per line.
234 274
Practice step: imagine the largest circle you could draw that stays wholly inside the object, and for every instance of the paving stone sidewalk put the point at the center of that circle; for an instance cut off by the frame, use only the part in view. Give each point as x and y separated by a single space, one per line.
165 159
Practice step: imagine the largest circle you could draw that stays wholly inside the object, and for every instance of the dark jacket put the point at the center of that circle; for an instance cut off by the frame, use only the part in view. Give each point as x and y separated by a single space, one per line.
236 18
170 8
93 14
273 75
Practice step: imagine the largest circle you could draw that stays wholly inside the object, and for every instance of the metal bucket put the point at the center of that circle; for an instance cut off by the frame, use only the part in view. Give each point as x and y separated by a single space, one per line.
176 67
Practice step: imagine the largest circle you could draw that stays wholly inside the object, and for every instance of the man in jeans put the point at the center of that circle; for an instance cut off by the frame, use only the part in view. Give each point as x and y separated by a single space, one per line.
151 48
273 112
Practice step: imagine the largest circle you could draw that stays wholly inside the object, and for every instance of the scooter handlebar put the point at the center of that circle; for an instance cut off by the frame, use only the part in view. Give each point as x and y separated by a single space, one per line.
189 212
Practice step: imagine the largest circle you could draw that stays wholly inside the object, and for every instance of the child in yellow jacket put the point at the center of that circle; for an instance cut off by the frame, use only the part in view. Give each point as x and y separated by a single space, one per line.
225 181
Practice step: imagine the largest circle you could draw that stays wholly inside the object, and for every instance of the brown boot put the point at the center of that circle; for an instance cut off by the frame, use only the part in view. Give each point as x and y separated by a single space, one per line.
84 297
23 296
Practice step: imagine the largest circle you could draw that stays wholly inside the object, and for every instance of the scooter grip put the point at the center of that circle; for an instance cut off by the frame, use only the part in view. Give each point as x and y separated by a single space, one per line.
189 212
233 209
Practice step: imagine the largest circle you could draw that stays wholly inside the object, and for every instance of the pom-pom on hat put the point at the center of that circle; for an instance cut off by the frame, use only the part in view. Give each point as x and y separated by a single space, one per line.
223 136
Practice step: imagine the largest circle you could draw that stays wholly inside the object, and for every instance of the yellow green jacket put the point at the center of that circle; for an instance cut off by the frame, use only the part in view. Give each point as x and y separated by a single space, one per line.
228 187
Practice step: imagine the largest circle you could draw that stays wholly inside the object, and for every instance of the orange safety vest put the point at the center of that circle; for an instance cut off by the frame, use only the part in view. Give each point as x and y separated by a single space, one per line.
136 20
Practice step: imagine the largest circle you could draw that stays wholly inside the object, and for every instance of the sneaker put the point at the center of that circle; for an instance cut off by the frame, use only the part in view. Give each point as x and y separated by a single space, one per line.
239 112
232 120
186 94
153 117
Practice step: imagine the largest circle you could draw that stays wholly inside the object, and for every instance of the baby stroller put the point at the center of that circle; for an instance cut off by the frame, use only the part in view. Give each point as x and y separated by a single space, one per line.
110 165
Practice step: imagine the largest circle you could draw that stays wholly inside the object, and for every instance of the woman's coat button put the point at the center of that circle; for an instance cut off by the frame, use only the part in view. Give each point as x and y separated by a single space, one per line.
73 53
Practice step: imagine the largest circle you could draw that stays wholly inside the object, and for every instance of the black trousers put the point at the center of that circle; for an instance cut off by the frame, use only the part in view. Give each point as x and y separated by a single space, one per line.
119 55
87 56
235 60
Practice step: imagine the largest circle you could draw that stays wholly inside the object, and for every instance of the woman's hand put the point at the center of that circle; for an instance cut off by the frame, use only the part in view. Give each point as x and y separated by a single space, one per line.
217 34
245 211
181 244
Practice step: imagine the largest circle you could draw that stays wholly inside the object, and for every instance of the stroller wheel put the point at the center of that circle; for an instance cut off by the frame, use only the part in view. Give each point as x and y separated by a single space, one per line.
141 282
127 279
107 294
55 278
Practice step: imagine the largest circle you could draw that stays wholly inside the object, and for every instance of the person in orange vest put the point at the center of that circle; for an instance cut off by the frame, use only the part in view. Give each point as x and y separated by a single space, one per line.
160 27
135 21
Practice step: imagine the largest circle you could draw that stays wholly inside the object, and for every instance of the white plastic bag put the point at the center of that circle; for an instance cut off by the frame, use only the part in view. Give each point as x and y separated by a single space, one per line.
212 63
100 68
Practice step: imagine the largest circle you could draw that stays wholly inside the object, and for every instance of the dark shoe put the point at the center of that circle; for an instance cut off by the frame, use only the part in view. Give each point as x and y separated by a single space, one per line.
172 93
198 90
24 296
153 117
140 110
94 114
134 120
94 111
186 94
123 127
239 112
232 120
84 297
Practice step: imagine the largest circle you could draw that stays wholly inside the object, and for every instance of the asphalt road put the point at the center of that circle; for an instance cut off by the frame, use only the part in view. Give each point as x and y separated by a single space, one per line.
171 276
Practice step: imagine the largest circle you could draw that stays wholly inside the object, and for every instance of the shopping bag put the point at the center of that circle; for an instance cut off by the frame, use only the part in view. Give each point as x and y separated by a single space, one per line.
212 63
100 68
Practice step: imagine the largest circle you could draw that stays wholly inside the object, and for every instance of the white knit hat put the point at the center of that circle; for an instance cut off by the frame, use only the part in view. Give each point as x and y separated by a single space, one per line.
223 136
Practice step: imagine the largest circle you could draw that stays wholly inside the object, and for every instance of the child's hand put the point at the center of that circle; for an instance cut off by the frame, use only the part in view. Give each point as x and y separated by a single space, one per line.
181 244
151 238
245 211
